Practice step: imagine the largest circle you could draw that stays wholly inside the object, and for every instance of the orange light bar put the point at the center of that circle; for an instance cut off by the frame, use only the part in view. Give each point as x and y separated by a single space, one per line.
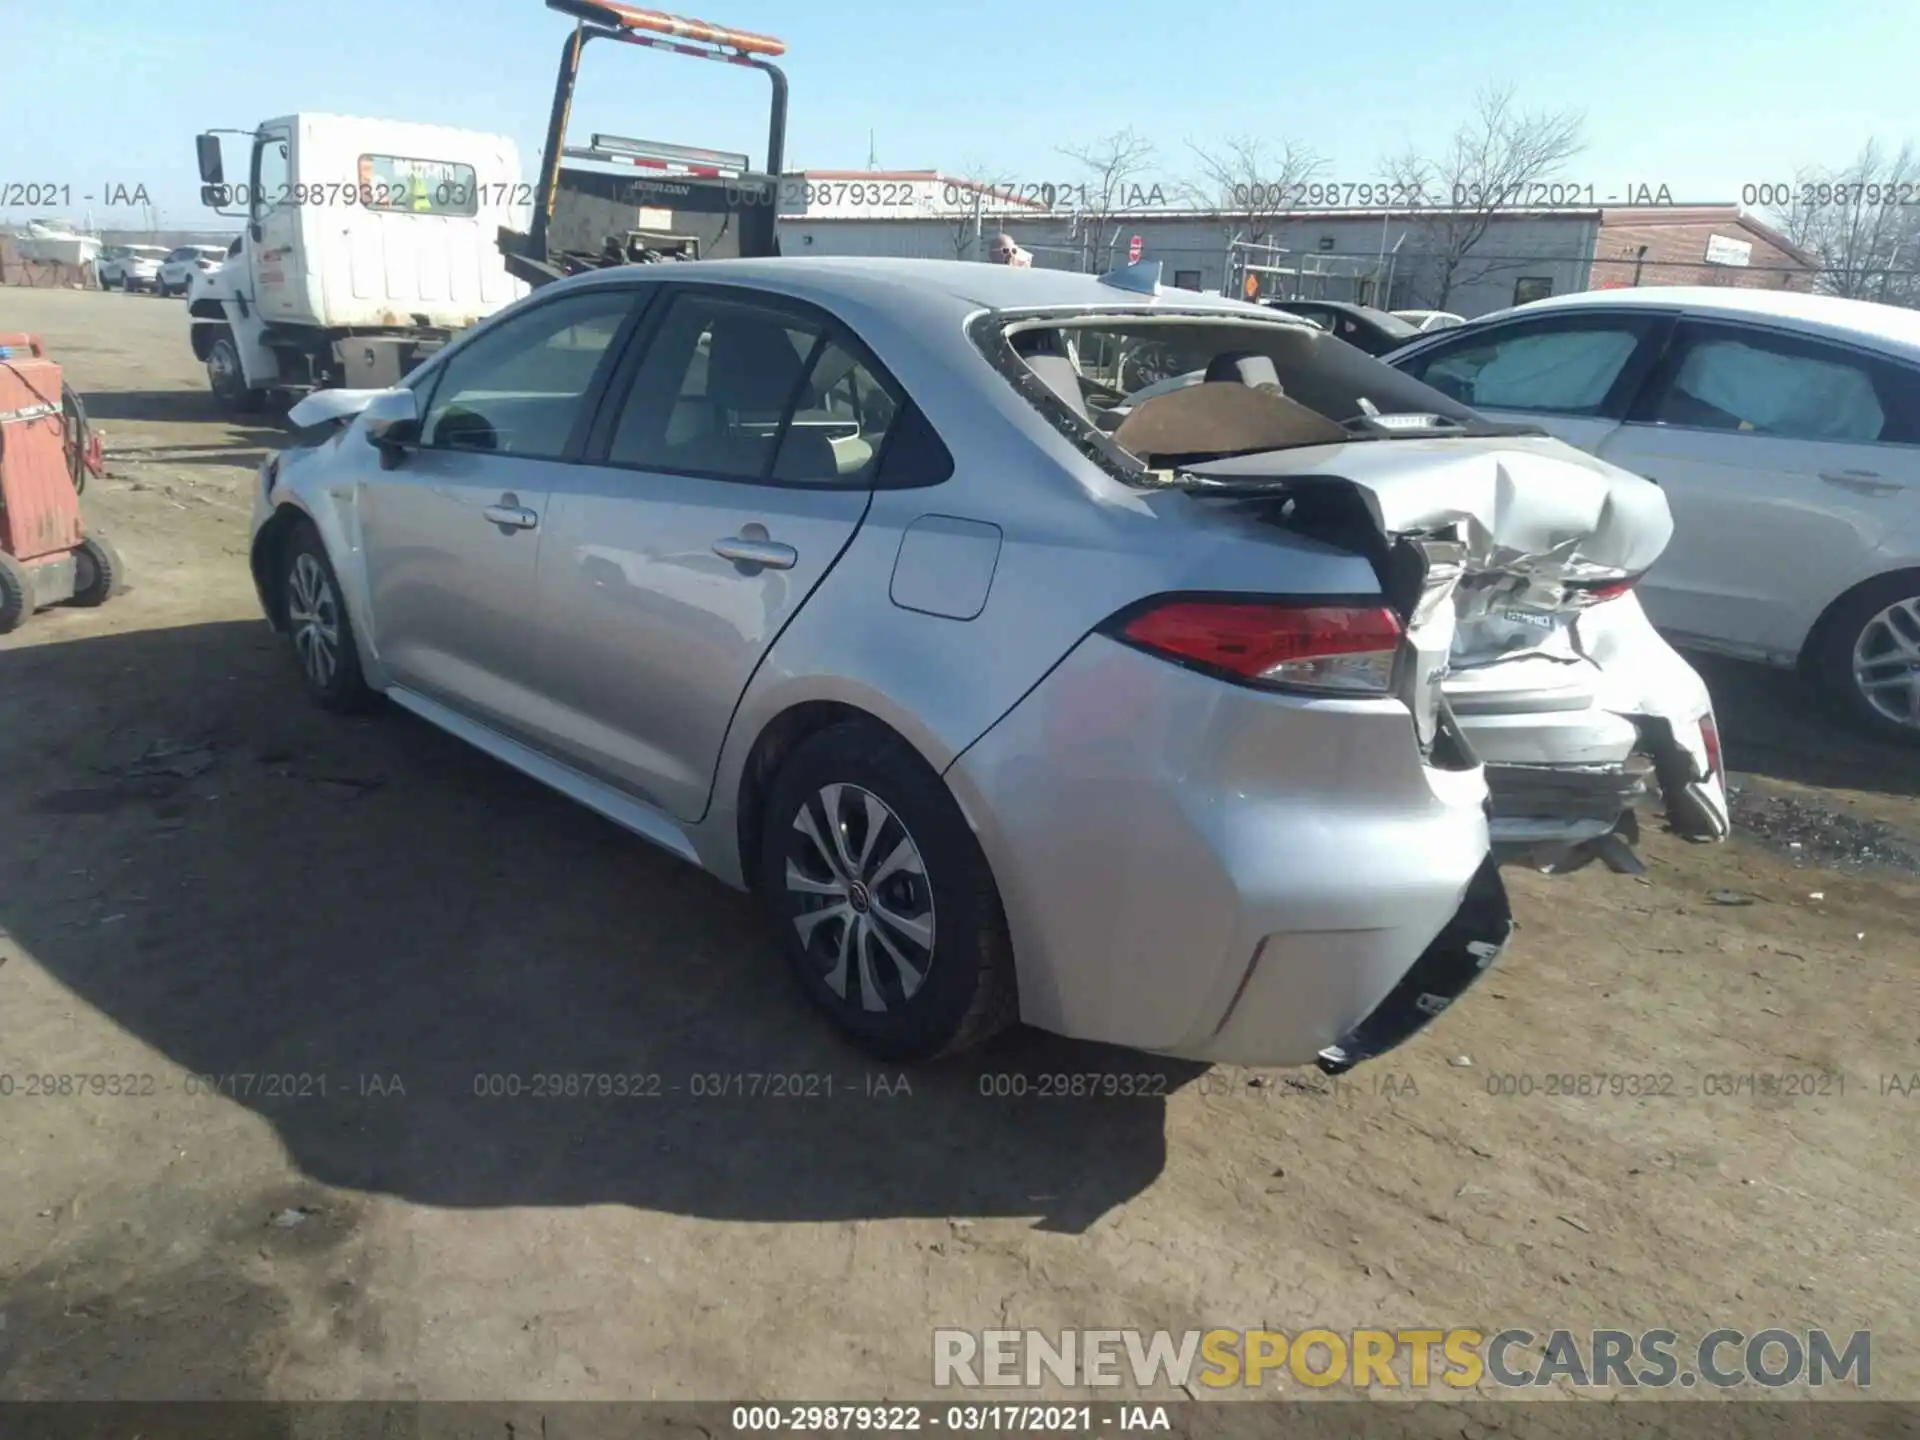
631 17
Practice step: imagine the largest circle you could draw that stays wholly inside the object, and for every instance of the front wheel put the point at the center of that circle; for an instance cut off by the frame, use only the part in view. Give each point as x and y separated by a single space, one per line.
227 379
890 918
1868 657
317 624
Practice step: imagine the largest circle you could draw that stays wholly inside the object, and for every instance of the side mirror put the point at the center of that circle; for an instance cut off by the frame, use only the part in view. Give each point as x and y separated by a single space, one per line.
383 408
393 416
207 149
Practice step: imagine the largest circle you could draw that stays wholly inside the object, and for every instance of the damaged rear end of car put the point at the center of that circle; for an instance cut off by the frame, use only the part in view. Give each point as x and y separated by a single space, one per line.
1581 713
1264 727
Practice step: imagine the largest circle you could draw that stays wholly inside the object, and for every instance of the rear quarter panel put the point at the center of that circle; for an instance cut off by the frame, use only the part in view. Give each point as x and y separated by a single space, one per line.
1076 547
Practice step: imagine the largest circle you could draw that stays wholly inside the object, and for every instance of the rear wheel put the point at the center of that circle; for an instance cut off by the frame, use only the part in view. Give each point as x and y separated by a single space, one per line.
99 572
16 593
890 917
317 624
1867 659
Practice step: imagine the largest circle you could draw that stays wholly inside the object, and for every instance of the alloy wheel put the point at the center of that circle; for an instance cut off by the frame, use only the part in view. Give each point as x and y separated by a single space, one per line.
858 895
313 616
1886 662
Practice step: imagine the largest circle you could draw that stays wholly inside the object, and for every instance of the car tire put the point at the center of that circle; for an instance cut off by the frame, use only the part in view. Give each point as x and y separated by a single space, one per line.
319 631
17 600
858 827
226 378
99 572
1873 634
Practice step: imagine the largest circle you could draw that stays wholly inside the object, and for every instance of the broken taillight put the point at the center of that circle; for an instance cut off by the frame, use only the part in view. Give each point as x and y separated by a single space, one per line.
1295 645
1585 593
1710 737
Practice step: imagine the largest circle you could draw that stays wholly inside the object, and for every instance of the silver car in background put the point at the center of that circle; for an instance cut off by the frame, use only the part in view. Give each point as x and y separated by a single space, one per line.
835 578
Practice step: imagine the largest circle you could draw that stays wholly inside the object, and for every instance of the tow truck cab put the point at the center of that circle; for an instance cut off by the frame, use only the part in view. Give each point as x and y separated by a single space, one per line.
366 244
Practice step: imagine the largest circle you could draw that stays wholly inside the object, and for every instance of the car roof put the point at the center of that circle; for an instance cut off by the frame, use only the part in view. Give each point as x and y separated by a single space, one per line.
969 283
1888 326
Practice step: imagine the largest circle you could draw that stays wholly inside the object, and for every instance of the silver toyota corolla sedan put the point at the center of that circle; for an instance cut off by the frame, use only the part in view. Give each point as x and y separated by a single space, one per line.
862 585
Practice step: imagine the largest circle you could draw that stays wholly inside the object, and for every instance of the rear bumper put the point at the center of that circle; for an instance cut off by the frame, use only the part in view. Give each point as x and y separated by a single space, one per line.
1212 872
1542 803
1459 955
1574 748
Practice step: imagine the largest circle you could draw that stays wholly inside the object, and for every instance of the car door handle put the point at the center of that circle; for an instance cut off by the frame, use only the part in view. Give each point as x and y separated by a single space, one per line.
768 554
511 516
1862 482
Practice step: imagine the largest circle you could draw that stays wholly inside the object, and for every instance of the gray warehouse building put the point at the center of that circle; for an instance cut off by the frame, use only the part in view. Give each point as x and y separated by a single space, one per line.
1395 259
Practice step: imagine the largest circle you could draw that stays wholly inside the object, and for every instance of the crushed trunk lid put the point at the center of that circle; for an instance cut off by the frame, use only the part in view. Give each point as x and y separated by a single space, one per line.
1521 533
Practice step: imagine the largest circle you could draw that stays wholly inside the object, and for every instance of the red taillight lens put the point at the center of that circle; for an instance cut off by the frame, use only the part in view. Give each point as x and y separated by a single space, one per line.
1710 737
1585 593
1337 648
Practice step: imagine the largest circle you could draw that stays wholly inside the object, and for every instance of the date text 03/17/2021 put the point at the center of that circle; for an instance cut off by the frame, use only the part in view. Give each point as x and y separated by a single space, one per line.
996 1418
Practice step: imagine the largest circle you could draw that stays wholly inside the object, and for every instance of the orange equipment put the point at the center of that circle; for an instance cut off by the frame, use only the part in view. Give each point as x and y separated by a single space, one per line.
46 556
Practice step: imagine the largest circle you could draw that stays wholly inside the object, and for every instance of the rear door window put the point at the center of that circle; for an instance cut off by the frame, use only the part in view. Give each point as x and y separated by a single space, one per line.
733 389
1758 382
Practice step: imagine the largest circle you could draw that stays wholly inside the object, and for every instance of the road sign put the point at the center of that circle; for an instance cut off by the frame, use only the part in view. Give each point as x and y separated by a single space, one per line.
1133 251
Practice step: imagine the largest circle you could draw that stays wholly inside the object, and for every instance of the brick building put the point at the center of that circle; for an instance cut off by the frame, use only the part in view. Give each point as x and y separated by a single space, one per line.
1695 245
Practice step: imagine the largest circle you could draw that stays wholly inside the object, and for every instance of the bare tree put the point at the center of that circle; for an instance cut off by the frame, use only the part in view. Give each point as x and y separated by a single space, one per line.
1114 166
1251 184
1500 157
1862 224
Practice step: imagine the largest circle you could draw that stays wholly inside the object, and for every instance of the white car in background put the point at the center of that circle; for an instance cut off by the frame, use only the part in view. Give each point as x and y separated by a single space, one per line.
1425 320
180 266
131 267
1785 430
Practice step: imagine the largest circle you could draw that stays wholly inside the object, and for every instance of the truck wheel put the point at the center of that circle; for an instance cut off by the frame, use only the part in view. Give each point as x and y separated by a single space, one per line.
100 573
227 380
16 593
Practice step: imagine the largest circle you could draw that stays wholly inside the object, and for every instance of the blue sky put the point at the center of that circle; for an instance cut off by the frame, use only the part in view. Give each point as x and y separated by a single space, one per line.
1702 96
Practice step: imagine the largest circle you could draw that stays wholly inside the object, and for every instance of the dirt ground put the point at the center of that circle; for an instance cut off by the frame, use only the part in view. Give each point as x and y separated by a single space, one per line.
203 876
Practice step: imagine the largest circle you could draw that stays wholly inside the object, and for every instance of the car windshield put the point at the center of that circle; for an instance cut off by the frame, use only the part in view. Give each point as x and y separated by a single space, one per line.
1182 390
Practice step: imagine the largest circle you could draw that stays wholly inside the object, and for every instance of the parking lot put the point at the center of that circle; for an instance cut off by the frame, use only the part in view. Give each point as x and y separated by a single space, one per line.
316 955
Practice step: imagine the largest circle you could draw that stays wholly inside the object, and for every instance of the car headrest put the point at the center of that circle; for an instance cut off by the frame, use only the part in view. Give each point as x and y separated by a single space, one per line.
806 455
1243 367
751 364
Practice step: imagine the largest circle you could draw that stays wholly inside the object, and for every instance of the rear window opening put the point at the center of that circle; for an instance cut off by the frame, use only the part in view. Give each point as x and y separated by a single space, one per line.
1169 390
